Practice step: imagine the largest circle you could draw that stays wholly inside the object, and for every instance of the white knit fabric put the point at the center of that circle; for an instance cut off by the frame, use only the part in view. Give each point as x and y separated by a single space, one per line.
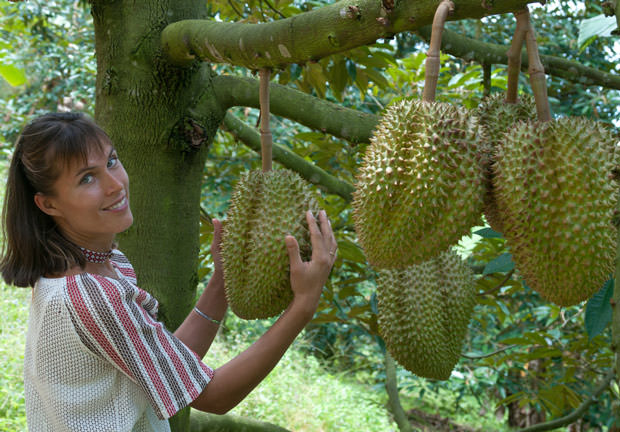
97 360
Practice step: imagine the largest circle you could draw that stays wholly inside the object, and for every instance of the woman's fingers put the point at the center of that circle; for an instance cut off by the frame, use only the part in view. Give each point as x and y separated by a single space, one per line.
328 235
292 248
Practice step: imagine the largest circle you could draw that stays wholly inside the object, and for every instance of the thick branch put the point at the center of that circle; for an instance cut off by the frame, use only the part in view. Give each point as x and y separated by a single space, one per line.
309 36
484 52
575 415
310 172
336 120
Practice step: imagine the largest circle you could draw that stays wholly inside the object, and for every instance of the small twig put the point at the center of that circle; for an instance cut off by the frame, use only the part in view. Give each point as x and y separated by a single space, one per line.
486 78
578 413
514 61
265 133
262 12
274 9
232 5
481 356
433 62
499 286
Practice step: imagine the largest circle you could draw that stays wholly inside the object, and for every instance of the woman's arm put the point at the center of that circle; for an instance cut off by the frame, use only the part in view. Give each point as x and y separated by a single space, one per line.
196 332
234 380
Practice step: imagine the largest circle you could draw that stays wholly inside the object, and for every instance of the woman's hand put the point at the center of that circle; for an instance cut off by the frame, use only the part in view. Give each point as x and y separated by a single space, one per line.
308 278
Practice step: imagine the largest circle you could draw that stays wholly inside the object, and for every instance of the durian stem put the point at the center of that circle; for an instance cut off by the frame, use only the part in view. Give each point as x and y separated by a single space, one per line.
514 60
538 80
266 140
391 386
433 63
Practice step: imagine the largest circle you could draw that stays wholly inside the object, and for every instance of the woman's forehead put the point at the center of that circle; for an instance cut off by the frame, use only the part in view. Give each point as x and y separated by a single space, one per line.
88 155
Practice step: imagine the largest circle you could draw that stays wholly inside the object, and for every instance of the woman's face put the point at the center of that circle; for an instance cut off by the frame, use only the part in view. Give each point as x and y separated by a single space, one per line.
90 202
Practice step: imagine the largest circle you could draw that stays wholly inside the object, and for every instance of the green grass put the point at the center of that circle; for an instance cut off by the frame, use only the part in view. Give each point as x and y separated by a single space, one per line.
14 312
301 395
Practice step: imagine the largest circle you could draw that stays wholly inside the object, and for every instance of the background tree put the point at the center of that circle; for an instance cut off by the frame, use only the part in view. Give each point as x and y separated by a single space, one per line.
337 65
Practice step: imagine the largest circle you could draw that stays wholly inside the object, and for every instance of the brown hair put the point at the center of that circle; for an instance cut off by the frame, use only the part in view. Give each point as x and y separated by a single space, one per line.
33 244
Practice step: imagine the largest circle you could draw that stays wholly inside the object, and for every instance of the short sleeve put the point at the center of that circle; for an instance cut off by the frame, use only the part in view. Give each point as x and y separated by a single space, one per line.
111 322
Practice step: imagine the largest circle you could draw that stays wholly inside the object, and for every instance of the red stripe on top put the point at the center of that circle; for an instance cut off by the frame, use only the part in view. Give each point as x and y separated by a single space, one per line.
84 314
179 365
143 351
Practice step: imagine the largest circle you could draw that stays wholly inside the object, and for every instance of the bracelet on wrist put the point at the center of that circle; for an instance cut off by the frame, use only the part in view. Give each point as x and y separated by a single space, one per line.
207 317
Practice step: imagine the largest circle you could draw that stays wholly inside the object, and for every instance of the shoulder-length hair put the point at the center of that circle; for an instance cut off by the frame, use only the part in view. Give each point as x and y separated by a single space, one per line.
33 244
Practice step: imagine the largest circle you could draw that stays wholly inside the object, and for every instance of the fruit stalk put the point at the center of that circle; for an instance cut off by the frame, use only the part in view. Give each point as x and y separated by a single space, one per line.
536 70
514 61
433 63
266 139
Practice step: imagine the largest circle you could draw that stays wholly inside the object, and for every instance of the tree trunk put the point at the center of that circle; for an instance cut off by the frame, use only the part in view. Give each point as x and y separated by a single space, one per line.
143 104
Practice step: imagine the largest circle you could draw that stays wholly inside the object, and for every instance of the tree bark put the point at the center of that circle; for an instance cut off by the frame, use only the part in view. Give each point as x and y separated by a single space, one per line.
346 123
312 35
202 422
489 53
145 105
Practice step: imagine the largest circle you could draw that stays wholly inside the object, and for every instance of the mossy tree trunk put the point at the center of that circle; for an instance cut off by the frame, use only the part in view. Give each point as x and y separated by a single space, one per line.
146 105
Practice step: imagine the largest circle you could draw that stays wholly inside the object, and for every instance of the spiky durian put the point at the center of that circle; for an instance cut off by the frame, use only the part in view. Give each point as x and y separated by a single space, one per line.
556 194
424 312
419 188
496 118
264 208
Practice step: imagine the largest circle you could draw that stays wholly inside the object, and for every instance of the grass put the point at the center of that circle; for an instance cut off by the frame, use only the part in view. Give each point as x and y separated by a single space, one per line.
14 312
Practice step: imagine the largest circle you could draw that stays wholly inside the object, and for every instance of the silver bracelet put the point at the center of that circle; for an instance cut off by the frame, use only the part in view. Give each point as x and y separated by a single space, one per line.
207 317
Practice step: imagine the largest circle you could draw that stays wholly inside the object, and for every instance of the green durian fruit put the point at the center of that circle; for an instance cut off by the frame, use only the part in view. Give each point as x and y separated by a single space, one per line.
556 194
424 312
497 117
419 188
264 208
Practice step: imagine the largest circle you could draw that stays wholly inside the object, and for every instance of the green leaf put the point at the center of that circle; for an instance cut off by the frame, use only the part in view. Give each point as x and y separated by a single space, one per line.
488 233
501 264
350 251
351 69
338 78
13 75
598 310
591 28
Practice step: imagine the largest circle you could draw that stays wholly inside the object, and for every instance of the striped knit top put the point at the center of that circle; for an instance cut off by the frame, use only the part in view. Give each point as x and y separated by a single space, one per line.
97 359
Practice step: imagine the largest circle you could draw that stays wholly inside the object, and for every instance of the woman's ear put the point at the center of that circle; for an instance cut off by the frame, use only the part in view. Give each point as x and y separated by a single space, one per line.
45 204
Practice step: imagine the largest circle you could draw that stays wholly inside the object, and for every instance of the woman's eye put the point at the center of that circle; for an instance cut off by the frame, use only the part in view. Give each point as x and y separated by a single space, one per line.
112 161
88 178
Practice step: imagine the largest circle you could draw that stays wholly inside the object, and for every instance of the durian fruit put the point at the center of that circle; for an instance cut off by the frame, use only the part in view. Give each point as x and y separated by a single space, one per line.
554 189
419 187
264 208
423 313
497 117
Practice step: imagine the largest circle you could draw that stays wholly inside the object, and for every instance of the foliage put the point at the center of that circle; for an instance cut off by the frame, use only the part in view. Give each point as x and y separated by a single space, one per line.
51 45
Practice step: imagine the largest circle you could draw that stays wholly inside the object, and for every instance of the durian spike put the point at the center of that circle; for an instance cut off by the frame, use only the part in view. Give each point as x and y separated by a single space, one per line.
536 70
445 8
514 61
266 140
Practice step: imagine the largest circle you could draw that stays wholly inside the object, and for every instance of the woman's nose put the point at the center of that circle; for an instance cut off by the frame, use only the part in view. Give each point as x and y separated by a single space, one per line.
113 183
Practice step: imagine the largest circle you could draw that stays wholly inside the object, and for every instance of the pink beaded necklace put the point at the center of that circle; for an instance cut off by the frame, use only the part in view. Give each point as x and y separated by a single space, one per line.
96 257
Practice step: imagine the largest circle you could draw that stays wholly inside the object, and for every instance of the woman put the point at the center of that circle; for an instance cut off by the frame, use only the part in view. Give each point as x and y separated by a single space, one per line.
96 357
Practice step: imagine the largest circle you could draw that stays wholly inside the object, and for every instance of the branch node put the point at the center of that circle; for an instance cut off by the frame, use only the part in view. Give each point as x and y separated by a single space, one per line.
487 4
351 12
383 21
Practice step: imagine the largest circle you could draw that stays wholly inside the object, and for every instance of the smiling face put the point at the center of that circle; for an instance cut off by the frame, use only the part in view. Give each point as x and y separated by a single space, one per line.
90 199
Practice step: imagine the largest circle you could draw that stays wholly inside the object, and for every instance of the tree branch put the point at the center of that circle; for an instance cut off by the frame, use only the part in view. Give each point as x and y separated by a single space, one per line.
311 35
310 172
484 52
578 413
391 387
352 125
